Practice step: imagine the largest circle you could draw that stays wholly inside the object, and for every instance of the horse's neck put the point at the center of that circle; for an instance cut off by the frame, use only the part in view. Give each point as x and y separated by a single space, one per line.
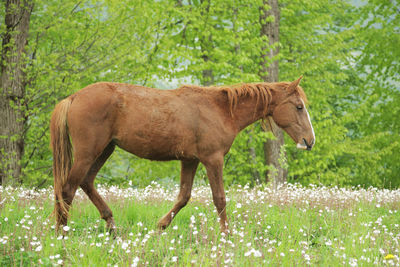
247 111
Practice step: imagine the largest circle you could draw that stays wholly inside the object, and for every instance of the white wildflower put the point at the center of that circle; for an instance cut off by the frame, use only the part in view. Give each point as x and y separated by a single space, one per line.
135 261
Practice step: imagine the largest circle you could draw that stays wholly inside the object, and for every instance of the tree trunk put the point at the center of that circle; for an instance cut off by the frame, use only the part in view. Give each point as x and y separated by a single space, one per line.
12 89
270 73
253 156
249 132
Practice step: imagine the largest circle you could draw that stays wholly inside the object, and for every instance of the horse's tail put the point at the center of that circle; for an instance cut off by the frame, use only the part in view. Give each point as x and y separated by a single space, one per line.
62 154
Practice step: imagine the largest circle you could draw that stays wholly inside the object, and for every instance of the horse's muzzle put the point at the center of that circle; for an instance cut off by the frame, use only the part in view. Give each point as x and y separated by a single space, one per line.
305 145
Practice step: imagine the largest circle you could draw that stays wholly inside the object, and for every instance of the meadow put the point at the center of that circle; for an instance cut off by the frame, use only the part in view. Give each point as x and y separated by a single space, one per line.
290 226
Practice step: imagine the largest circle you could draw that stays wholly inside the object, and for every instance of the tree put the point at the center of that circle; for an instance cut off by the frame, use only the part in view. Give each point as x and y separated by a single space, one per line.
269 20
350 76
13 88
219 42
351 100
317 40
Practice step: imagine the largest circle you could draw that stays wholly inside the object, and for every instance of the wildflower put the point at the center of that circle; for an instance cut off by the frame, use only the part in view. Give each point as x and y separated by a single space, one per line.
256 253
135 261
66 228
389 257
124 245
353 262
38 248
174 259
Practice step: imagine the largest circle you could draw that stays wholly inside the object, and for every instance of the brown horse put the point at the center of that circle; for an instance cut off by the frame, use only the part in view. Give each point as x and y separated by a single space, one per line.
191 124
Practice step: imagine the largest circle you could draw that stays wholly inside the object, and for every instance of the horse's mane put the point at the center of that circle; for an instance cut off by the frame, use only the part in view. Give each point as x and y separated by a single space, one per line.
261 90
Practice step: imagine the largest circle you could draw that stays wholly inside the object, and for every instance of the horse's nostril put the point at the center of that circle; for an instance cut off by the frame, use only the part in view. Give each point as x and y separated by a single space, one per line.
309 146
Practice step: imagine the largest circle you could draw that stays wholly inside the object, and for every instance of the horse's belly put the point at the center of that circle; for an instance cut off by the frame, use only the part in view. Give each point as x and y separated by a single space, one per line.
162 150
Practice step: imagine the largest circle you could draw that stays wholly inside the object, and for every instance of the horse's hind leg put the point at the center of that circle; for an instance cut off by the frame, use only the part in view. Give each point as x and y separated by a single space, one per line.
88 186
188 170
78 171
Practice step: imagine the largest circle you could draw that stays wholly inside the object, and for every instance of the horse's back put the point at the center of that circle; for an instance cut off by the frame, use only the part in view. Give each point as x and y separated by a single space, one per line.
150 123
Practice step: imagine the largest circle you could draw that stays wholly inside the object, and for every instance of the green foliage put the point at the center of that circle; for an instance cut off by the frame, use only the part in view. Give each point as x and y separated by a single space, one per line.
73 45
351 77
329 44
240 166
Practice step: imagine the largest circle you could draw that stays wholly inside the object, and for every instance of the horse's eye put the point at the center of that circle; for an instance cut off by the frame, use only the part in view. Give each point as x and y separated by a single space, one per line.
299 107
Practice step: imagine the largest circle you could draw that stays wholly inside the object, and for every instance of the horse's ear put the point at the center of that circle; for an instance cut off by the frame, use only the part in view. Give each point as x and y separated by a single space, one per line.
293 85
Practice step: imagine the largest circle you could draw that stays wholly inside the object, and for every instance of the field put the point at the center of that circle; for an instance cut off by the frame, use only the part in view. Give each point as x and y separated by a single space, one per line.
291 226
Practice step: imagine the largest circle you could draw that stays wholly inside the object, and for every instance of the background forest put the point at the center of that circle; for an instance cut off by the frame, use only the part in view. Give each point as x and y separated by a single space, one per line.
347 51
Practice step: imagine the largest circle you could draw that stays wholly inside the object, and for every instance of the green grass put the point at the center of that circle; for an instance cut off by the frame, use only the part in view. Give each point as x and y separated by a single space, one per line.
274 231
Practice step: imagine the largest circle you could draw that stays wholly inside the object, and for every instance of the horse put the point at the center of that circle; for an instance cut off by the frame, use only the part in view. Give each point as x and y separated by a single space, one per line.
192 124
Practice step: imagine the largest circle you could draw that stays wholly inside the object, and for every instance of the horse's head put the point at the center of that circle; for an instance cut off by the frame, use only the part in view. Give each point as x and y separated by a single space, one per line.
290 113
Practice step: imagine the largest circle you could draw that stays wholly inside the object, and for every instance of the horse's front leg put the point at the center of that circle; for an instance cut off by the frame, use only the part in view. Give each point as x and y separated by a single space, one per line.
188 170
214 167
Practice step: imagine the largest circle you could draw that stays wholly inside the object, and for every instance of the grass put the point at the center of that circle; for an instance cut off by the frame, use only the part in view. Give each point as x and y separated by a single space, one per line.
292 226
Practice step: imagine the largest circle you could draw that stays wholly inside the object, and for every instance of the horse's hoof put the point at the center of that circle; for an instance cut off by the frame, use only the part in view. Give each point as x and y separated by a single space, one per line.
163 223
162 227
225 230
111 228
